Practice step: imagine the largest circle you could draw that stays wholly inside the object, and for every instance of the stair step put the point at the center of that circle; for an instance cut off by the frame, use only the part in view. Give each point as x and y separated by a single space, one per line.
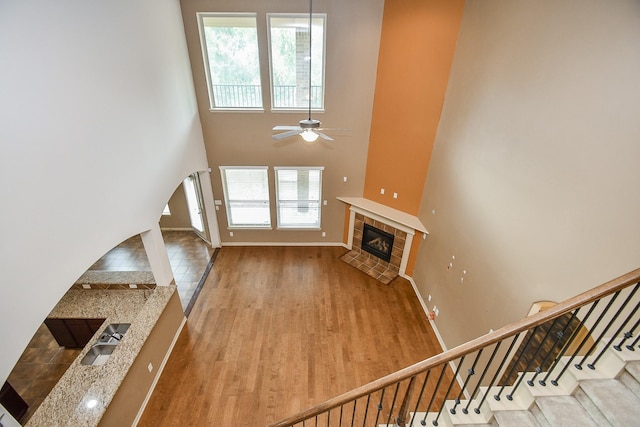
459 418
614 400
564 411
566 385
504 404
631 377
516 419
478 425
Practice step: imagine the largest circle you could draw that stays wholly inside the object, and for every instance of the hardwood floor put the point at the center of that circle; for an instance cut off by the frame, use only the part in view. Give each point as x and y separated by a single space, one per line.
276 330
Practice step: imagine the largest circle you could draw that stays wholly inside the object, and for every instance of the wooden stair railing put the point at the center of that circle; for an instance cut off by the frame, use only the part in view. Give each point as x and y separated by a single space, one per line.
391 398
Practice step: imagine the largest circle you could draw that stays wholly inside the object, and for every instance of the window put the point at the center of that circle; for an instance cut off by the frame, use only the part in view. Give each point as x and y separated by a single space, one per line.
289 55
230 48
246 195
298 191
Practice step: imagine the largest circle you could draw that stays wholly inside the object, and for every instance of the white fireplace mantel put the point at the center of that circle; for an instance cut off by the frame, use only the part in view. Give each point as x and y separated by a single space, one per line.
410 224
402 220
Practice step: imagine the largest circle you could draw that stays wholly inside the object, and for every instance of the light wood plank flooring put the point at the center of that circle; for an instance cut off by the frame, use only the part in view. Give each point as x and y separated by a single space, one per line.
276 330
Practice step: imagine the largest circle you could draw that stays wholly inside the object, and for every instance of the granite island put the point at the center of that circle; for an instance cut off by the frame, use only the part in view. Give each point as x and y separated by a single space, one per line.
114 393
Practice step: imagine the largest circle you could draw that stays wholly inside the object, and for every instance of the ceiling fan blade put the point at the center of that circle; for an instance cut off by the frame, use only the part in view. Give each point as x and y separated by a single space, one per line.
286 127
323 136
284 135
336 129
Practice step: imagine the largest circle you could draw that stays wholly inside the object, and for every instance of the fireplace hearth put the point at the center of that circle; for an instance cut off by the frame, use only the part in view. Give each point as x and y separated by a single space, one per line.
377 242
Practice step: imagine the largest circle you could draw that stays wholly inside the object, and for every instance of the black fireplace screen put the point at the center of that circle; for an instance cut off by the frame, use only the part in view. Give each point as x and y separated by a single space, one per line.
377 242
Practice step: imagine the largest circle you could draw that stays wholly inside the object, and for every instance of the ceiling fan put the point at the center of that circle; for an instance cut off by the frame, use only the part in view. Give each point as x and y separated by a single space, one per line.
309 129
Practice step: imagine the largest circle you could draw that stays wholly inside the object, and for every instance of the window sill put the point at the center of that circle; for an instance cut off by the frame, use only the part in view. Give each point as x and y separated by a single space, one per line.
299 228
248 227
296 110
236 110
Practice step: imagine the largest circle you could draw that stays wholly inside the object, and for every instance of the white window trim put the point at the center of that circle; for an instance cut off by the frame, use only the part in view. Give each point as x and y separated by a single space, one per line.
207 66
277 199
226 199
324 62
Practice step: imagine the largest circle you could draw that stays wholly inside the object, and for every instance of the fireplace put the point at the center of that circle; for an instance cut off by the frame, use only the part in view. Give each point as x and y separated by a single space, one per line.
377 242
380 238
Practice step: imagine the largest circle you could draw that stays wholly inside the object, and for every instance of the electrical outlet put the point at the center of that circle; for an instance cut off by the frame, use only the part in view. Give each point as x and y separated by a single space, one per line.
395 195
231 233
324 234
150 367
382 191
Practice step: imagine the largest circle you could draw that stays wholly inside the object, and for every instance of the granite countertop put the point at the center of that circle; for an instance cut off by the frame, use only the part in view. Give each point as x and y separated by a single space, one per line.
116 277
84 392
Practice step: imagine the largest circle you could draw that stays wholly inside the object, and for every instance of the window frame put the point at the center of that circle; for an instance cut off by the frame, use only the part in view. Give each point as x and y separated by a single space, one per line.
315 16
207 65
229 203
297 226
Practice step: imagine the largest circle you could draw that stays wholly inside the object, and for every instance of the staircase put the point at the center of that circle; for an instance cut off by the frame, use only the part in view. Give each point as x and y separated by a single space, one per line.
576 364
609 395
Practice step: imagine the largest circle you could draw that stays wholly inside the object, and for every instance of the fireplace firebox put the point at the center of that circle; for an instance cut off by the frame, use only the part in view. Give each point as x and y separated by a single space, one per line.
377 242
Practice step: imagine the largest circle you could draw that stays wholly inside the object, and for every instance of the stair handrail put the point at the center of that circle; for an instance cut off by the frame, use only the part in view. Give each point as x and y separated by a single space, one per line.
483 341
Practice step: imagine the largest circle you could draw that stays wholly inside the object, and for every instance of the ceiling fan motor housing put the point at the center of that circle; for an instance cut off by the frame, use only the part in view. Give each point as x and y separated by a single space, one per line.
309 124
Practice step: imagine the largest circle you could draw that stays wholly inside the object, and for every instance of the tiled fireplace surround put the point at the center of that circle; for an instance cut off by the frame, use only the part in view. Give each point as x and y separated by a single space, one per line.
375 267
402 226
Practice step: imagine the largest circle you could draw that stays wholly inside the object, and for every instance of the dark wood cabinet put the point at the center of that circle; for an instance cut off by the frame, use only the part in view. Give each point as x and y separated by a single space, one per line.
73 333
12 402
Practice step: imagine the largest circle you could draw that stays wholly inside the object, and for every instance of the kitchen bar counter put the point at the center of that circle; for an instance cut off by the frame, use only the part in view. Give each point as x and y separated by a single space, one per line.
84 392
109 277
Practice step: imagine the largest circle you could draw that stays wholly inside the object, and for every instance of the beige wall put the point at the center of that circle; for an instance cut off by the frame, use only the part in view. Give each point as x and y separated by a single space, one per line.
237 139
179 217
534 172
125 405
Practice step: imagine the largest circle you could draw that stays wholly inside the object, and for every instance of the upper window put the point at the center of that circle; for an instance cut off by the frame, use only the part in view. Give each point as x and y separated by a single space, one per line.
298 193
230 47
246 195
289 54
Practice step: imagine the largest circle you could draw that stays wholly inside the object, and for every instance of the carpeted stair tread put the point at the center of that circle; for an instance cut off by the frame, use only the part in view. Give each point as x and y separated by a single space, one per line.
634 369
630 377
515 419
614 400
563 411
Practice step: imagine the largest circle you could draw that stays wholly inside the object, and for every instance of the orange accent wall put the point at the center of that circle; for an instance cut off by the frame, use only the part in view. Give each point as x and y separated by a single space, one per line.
417 45
415 245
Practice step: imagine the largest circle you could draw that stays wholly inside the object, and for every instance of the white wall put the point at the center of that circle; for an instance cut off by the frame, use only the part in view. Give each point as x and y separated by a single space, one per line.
534 175
98 125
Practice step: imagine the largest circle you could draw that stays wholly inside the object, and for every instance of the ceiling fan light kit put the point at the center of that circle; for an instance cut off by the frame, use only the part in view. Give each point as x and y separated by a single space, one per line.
309 135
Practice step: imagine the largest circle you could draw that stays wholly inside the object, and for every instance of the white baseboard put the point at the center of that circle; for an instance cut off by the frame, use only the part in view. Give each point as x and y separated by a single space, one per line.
426 311
159 373
283 244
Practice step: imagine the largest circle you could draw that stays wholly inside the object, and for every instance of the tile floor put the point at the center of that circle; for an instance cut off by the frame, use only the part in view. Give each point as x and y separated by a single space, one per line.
43 362
188 254
39 368
380 270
